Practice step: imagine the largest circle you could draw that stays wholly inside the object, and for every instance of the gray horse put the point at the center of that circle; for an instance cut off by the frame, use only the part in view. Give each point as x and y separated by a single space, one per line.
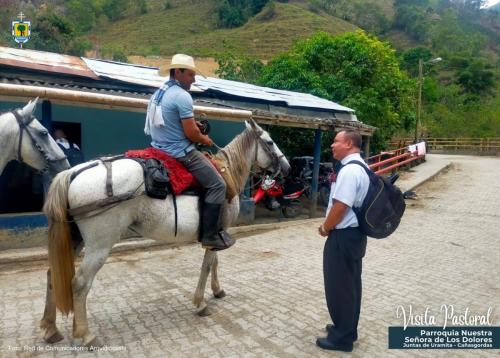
23 138
151 218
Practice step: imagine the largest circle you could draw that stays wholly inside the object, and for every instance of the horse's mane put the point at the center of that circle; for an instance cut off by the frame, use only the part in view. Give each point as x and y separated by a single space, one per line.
235 154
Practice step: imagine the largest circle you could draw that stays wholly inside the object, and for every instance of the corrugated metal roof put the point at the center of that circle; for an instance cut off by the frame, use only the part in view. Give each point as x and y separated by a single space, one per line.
75 87
129 73
45 61
102 70
292 99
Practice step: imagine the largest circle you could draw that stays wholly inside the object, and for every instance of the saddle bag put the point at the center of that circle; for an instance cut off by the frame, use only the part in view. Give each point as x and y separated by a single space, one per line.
156 179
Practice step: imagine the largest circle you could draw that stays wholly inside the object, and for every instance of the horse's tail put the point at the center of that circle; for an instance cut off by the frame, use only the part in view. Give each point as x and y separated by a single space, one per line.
61 260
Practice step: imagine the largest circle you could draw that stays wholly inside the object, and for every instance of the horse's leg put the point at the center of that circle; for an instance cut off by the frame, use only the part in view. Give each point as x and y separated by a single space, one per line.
199 302
218 292
92 262
48 322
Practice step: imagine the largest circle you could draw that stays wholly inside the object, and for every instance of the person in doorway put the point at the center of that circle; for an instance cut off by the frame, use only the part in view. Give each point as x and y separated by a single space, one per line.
176 134
345 246
71 150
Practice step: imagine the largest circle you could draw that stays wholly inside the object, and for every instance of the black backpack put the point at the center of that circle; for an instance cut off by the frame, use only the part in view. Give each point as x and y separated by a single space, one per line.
382 208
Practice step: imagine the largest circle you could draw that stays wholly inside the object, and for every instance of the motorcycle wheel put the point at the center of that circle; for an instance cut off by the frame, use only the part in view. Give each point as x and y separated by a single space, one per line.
292 209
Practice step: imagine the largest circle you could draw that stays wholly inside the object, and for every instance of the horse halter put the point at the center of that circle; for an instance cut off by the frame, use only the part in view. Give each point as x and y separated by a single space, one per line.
266 147
24 126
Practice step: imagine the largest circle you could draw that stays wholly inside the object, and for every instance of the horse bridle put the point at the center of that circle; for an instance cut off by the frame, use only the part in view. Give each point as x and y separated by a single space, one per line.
24 127
275 158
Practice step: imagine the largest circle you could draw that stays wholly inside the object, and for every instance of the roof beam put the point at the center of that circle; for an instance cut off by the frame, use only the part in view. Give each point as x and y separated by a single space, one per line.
106 101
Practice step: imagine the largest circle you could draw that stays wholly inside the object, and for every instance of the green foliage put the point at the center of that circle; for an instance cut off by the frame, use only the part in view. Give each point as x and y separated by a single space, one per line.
412 19
477 77
455 115
449 36
354 69
234 13
56 34
114 52
243 68
167 5
142 6
409 60
370 17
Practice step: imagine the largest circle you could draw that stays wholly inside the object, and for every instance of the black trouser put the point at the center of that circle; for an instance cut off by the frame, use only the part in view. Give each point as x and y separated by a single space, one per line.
342 262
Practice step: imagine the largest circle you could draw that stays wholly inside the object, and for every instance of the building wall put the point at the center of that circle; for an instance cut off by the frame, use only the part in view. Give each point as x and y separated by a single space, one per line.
107 132
103 132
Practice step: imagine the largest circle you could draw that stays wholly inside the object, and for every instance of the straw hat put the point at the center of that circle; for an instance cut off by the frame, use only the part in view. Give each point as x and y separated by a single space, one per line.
183 61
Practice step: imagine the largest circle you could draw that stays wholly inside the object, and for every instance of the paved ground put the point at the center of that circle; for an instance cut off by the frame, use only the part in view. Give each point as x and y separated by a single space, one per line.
445 252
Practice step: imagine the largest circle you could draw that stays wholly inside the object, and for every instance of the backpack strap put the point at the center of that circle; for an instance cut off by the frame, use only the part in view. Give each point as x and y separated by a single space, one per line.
367 170
370 174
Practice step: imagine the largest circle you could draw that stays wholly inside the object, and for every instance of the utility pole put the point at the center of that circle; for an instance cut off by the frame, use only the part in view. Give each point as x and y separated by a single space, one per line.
419 98
421 64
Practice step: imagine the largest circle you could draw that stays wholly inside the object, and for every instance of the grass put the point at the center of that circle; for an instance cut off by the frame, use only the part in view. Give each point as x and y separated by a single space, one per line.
189 26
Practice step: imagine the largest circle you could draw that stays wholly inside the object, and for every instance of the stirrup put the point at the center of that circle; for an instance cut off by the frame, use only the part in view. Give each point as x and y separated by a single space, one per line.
224 238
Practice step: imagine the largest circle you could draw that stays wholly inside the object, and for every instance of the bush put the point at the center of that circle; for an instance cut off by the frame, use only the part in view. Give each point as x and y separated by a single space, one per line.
234 13
114 52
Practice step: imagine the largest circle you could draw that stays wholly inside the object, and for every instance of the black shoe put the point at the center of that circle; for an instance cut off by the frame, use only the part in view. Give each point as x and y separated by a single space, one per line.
330 326
326 344
212 235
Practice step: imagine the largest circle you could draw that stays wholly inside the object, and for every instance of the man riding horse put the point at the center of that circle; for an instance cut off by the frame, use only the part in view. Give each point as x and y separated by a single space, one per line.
173 129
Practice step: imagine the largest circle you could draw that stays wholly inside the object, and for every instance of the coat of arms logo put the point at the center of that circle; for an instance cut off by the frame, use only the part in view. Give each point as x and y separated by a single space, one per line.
21 30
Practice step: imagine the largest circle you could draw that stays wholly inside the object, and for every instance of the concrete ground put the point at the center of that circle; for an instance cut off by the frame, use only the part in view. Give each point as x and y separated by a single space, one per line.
444 252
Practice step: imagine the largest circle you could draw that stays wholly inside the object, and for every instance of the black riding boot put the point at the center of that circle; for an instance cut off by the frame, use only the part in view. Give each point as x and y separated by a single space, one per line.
212 235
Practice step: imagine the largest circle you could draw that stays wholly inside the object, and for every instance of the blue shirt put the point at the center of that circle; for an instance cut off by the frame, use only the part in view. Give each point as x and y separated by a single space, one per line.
350 188
176 105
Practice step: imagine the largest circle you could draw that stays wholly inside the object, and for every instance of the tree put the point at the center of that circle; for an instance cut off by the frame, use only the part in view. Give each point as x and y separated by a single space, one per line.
409 61
412 19
477 78
56 34
354 69
234 13
21 29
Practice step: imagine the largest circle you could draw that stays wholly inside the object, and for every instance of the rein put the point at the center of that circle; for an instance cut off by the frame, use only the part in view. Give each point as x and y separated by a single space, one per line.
275 158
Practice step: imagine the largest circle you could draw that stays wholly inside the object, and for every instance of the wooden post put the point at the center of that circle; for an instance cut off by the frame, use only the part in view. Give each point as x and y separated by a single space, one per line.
314 186
366 146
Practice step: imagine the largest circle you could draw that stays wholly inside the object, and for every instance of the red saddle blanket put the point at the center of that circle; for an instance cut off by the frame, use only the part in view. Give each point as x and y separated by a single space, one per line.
180 177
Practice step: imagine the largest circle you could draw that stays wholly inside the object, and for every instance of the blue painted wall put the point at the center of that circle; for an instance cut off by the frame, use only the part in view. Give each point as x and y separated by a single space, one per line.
107 132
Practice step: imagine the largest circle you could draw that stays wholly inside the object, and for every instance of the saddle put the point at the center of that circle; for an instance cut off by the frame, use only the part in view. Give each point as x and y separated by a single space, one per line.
163 175
175 174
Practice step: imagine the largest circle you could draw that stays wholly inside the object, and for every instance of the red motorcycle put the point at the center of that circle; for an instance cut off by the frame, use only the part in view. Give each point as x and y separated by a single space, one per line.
283 196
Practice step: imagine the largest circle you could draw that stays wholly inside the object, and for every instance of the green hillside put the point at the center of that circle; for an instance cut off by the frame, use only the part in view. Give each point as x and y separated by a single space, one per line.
190 27
460 92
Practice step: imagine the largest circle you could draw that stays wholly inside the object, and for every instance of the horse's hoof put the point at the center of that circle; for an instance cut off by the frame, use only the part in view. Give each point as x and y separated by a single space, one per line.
92 343
220 294
53 338
203 311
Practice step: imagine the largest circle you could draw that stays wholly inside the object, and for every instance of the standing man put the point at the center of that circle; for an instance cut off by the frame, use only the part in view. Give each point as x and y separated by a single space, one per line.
345 245
177 135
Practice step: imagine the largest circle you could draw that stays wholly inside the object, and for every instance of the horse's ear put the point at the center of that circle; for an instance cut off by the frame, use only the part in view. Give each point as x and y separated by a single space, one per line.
28 110
248 125
253 124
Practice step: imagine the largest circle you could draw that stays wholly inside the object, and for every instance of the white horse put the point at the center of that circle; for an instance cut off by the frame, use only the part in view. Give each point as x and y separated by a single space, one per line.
23 138
151 218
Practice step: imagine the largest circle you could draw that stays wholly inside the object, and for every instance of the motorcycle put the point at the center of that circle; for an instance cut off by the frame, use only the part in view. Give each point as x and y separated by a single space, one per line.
282 195
302 169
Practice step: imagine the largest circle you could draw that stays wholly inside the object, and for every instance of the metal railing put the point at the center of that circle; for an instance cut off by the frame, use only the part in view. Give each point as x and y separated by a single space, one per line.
390 161
480 145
